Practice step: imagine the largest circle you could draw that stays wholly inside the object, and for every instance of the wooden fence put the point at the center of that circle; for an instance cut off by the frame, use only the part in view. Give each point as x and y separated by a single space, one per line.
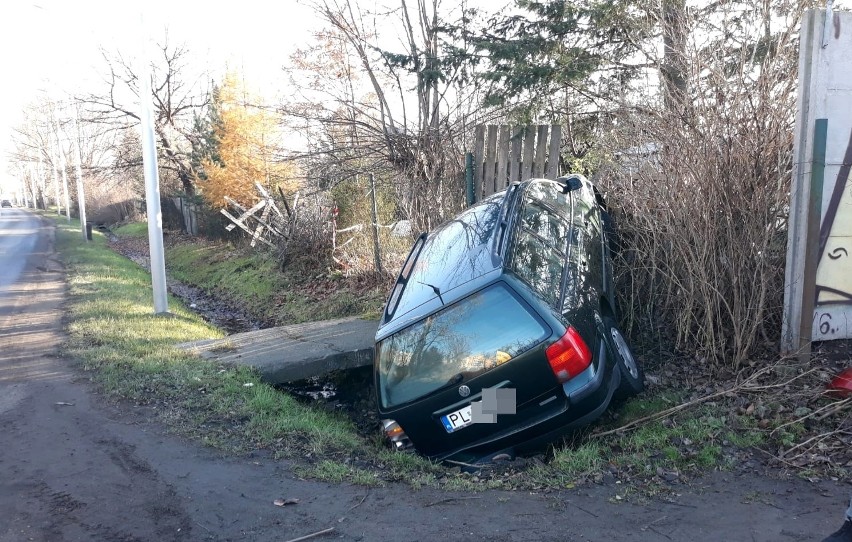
504 154
189 212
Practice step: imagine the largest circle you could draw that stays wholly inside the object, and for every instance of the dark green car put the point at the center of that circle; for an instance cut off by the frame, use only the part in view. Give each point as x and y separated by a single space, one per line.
499 333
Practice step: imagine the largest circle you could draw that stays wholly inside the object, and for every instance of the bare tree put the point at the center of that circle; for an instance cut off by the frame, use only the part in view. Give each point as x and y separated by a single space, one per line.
176 96
355 100
35 143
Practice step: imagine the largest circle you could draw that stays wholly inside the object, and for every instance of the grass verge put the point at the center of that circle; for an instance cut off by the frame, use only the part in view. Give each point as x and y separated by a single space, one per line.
132 229
253 279
130 353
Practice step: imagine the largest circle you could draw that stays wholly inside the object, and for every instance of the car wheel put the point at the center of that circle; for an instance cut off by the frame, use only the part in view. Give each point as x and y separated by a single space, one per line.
632 377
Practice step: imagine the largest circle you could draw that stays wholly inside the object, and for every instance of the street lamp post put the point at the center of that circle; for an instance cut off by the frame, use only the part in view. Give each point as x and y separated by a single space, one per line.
64 165
152 186
81 193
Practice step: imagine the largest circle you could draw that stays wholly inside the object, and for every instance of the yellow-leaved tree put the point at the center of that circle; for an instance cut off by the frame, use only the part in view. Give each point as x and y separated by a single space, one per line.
245 137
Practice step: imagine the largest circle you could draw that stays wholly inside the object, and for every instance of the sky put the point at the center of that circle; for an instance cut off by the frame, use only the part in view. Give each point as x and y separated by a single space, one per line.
53 46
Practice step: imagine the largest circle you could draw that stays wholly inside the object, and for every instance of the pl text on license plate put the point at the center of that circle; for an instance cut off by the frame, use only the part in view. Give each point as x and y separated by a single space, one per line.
458 419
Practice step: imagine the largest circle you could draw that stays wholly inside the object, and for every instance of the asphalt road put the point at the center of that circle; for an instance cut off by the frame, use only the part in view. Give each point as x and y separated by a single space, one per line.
18 234
74 467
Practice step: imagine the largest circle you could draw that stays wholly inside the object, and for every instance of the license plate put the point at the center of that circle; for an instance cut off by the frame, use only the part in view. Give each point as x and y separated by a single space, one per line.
457 420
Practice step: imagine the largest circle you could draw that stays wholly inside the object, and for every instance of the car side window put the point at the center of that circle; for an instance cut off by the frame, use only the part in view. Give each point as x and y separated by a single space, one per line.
538 253
586 210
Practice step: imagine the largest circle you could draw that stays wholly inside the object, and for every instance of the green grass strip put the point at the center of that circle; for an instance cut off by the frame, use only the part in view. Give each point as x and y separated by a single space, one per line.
131 353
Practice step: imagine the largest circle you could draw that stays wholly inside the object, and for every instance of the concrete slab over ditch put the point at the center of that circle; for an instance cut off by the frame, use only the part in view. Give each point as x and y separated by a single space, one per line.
295 352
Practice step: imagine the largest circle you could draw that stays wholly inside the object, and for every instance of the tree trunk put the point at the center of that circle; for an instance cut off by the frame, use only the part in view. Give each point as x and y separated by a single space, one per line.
674 71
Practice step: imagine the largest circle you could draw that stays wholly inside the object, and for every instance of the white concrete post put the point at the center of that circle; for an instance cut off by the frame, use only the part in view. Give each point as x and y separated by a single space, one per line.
63 163
152 185
81 192
54 161
819 257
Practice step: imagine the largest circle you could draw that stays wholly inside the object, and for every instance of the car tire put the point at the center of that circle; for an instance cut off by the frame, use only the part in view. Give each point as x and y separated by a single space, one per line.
632 376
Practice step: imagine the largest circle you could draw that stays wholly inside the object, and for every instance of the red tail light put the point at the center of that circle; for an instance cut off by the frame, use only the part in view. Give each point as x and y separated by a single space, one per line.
569 356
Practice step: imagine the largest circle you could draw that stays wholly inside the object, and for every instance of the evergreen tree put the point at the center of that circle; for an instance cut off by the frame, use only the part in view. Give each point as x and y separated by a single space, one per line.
590 48
205 136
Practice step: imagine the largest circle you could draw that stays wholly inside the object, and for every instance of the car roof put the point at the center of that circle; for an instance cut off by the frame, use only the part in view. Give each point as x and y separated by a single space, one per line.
451 260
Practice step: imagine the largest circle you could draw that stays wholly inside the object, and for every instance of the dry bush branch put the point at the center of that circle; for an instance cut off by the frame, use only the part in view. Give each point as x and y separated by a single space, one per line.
700 212
751 384
826 411
739 387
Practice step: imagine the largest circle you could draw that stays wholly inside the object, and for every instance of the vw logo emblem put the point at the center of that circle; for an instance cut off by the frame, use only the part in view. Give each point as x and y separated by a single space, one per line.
464 391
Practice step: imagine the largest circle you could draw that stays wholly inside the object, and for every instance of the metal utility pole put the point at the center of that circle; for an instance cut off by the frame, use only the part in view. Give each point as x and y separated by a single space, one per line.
152 185
54 161
81 194
377 256
28 185
42 184
64 165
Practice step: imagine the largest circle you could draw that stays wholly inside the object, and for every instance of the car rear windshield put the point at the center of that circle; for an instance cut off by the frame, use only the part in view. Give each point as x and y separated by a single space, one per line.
478 333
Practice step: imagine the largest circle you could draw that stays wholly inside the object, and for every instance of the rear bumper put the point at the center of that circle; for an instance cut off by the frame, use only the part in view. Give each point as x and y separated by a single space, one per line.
578 408
587 385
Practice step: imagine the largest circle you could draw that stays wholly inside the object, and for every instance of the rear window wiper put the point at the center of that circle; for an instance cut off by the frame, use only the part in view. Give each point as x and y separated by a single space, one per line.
434 289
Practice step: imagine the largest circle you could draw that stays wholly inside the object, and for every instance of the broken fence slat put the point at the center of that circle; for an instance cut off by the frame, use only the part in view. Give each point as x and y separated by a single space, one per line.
490 162
515 156
267 204
260 227
235 204
478 156
236 222
242 226
233 219
269 226
529 150
502 179
262 190
270 201
246 214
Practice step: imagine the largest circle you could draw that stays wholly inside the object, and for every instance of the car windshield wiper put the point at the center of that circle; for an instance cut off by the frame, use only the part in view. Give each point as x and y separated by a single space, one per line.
434 289
455 379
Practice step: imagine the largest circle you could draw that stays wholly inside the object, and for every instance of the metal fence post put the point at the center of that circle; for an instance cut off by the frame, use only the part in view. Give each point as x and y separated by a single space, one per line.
468 177
376 254
812 248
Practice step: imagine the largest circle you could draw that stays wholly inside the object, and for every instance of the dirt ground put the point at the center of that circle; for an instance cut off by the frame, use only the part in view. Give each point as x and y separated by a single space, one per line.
75 467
